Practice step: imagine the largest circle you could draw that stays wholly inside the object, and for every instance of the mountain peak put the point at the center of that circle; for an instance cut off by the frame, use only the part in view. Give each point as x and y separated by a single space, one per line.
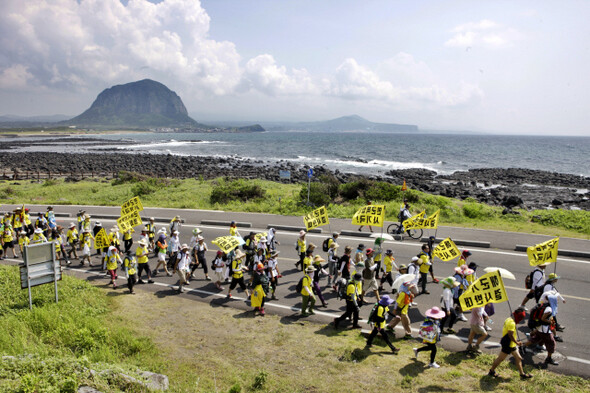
144 103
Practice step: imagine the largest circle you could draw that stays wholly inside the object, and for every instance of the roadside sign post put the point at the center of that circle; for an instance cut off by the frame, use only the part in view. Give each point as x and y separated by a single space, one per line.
40 267
309 175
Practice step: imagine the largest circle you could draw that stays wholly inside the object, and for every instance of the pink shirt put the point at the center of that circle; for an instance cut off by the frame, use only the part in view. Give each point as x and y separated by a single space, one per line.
477 314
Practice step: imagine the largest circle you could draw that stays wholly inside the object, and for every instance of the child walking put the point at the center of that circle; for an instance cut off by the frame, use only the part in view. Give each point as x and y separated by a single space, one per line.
430 333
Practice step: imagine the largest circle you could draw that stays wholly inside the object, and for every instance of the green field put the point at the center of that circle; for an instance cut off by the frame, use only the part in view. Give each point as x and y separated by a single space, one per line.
289 199
94 334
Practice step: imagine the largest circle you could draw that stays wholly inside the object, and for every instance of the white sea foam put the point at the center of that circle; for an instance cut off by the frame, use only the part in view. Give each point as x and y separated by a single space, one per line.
171 143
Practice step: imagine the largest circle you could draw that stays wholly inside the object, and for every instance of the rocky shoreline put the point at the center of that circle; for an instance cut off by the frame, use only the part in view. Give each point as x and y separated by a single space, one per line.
511 188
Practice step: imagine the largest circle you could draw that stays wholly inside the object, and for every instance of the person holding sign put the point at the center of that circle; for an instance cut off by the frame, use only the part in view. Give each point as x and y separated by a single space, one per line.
238 273
362 226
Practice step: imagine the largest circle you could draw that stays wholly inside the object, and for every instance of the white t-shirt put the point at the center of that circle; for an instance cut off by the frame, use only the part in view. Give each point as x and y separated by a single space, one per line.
538 278
446 300
174 244
219 265
184 261
546 328
272 264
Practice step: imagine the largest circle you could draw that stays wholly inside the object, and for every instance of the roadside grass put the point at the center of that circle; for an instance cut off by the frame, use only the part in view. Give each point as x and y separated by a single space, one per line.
286 199
54 346
211 347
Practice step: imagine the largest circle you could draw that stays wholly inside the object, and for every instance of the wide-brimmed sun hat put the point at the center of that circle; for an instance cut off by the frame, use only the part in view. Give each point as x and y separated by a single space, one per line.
449 282
310 269
435 313
318 259
385 300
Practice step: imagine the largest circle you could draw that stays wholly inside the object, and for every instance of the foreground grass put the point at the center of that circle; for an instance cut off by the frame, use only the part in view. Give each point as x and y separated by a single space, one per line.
213 348
285 199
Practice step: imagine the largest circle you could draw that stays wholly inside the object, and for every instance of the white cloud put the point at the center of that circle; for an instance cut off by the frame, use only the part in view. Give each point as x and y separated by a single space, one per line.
401 80
484 33
69 45
263 74
14 77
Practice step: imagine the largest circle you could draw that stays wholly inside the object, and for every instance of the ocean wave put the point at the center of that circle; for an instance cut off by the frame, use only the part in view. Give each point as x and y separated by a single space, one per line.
170 143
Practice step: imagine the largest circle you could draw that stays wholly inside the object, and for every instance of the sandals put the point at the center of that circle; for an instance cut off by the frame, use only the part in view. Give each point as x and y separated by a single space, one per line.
525 376
493 374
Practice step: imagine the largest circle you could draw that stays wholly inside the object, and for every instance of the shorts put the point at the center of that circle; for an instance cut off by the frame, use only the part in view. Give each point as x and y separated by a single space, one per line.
369 285
162 256
237 281
219 275
546 339
531 294
478 329
8 245
506 343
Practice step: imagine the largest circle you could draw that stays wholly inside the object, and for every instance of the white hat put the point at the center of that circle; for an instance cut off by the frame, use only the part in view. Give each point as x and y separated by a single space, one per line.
142 242
199 238
72 225
302 232
184 246
162 230
262 240
175 233
414 259
38 230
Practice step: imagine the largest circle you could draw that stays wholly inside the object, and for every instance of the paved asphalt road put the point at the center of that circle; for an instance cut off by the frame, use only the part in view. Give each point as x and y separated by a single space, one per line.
574 352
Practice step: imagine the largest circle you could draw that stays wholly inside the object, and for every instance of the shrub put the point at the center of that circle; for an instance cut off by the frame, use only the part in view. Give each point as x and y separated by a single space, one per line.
382 191
152 185
355 189
477 210
124 177
332 184
241 190
49 183
319 194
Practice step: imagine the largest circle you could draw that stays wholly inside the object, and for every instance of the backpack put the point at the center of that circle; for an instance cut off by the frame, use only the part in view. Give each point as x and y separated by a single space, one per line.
428 332
299 286
528 280
325 245
535 316
373 313
341 285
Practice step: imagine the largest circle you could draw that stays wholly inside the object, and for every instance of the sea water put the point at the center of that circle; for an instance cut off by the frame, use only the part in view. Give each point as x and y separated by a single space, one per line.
369 153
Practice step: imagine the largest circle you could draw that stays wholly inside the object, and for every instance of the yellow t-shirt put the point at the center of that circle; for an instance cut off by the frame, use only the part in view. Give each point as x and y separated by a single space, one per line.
388 262
306 262
510 326
233 231
236 267
424 267
302 245
138 253
23 241
381 313
130 265
306 284
112 262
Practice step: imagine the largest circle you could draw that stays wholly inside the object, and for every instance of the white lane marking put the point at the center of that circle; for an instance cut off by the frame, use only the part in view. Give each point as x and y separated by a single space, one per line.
492 344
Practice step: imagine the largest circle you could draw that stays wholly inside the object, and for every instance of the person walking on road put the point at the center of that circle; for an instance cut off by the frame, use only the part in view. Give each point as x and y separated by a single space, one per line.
431 241
430 334
389 264
237 271
260 289
301 248
181 267
274 273
447 304
319 270
478 323
130 266
425 264
353 290
307 296
141 253
536 279
378 319
509 345
404 299
369 272
162 246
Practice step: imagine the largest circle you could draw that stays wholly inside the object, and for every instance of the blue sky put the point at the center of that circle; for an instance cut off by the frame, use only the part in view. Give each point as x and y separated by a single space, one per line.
500 66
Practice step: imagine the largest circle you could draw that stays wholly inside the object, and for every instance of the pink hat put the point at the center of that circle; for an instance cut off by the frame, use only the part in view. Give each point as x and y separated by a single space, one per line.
435 313
464 270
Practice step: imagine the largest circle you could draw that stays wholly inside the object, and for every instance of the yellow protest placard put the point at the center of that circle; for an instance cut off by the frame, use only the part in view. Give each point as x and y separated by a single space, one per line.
123 225
489 288
432 221
132 205
414 222
404 187
446 250
227 243
369 215
545 252
316 218
101 240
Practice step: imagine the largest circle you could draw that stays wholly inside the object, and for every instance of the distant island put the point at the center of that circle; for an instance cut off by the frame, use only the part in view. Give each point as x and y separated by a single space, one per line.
341 124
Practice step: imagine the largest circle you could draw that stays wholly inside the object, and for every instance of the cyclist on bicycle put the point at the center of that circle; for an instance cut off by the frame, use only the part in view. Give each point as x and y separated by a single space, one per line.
404 214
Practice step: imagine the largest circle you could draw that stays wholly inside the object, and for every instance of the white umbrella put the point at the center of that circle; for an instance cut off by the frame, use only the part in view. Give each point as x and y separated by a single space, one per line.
503 272
384 236
402 279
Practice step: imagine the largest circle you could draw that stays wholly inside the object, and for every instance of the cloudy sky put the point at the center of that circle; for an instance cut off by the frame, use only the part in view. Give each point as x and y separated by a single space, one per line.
500 66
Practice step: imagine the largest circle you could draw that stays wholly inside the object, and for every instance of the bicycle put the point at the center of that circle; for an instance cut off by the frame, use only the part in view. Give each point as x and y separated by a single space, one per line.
394 229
